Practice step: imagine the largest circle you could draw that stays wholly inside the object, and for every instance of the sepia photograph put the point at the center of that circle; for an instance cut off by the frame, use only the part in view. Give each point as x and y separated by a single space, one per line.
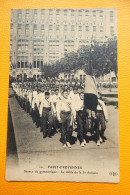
63 96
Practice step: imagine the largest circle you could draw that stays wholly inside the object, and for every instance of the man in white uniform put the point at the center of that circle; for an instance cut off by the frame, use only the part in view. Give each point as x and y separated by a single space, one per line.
80 117
64 116
47 120
102 118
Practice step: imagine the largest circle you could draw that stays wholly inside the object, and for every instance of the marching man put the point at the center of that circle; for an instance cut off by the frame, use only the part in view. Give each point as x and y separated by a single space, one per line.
80 117
64 116
47 118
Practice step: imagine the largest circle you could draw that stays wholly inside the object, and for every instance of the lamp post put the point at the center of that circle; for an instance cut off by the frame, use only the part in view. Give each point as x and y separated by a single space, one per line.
90 68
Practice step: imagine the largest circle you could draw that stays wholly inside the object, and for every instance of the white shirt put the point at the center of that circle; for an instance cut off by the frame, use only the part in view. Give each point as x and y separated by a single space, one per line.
63 105
41 97
78 107
90 85
34 99
30 96
75 101
47 103
101 106
52 98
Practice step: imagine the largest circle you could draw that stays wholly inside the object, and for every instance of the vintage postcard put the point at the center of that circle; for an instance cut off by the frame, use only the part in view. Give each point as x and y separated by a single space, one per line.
63 96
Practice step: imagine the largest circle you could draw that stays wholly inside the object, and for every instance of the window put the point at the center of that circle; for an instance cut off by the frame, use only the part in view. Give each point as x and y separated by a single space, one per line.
26 61
50 27
94 17
101 28
19 26
72 28
22 61
111 13
80 10
11 28
27 13
87 28
34 62
26 44
72 12
101 15
35 14
65 27
19 29
35 29
80 17
18 62
65 12
42 29
80 28
19 14
42 13
87 17
38 62
19 46
94 28
111 30
50 11
57 12
27 29
57 27
35 11
111 16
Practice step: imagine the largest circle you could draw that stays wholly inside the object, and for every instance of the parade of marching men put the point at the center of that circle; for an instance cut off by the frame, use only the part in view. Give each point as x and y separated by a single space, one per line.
64 109
51 51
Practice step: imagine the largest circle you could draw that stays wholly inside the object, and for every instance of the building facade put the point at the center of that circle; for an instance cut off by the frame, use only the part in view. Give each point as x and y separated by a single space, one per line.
43 36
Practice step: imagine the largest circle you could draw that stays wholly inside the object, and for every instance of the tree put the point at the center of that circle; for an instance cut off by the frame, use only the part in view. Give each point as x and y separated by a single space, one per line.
103 59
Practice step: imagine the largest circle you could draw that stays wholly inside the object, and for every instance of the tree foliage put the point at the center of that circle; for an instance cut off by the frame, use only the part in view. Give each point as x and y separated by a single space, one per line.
103 59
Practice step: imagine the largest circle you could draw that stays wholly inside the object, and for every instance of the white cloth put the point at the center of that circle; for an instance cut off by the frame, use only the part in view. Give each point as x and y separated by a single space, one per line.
63 105
41 97
46 103
34 96
20 92
75 101
90 85
79 106
37 99
101 106
30 96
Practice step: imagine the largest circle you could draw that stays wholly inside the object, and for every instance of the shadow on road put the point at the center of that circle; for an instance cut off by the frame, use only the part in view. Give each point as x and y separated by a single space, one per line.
11 143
